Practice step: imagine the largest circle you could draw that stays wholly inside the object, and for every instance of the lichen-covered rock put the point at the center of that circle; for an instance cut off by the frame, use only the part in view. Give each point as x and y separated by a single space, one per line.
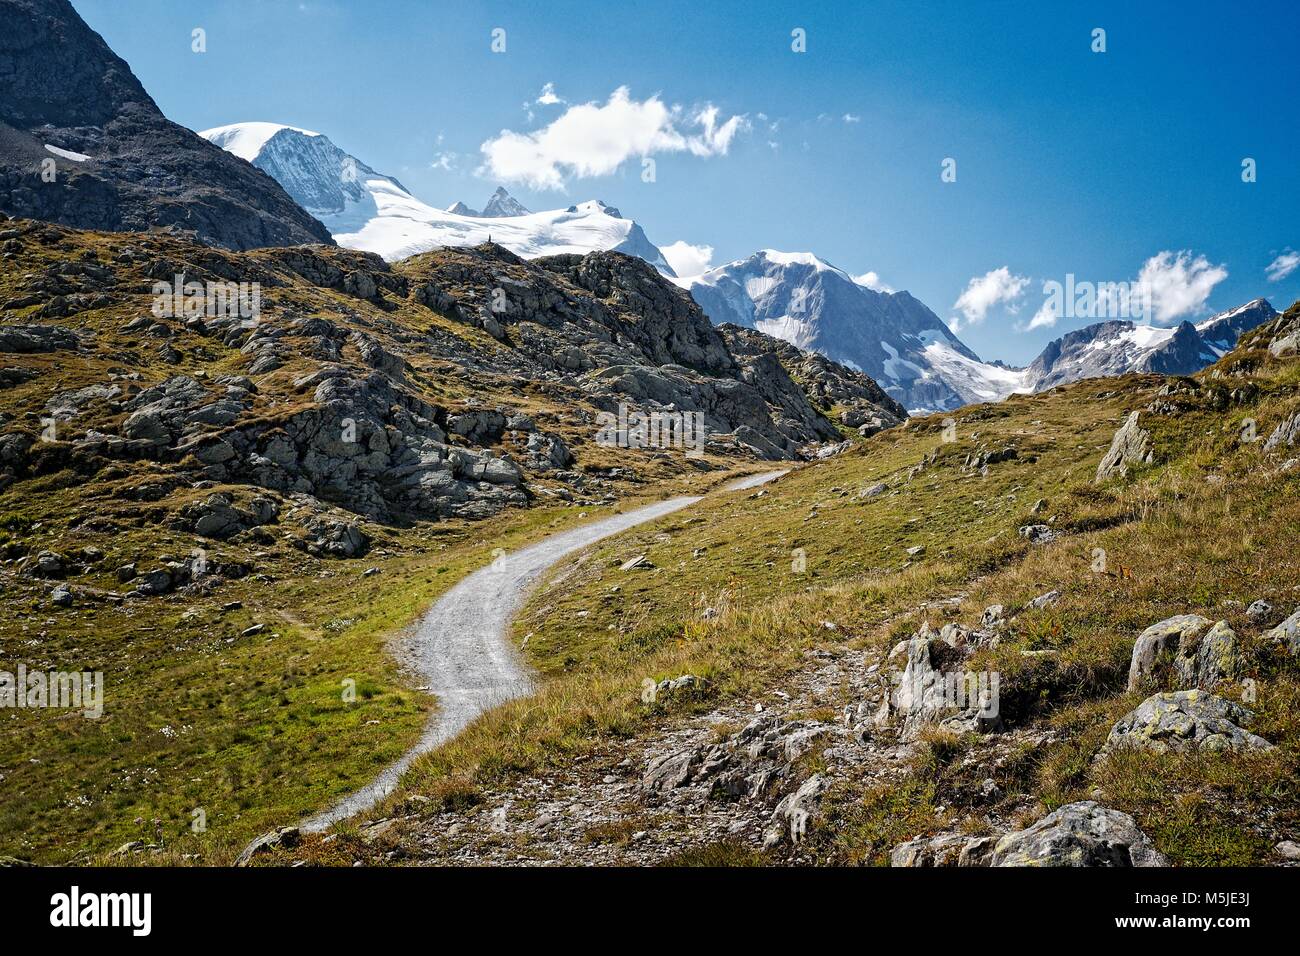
1183 721
1158 646
933 689
1214 657
1079 834
1130 446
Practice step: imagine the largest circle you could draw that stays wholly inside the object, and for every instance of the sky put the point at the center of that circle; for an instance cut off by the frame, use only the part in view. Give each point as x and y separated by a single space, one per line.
969 153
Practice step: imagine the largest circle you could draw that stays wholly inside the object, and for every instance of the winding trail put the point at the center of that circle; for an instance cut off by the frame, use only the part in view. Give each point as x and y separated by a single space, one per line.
462 649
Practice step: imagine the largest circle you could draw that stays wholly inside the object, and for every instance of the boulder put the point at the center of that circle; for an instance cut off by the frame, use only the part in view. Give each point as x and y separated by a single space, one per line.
1130 446
1212 658
333 538
1182 721
1158 646
1079 834
946 849
1259 611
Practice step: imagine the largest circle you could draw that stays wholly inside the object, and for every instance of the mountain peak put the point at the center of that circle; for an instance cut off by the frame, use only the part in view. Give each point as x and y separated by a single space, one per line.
503 204
246 140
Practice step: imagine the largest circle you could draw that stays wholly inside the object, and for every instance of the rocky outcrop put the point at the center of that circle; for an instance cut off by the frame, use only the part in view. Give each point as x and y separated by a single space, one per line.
1082 834
69 104
1130 446
1286 433
858 402
934 689
1182 721
1079 834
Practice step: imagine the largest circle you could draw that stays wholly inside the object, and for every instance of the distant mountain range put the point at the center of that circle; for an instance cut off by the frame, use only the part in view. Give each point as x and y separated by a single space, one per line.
1118 346
795 296
369 210
891 336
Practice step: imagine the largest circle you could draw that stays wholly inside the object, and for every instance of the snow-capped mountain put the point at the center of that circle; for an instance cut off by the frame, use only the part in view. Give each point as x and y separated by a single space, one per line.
891 336
365 209
1119 346
501 203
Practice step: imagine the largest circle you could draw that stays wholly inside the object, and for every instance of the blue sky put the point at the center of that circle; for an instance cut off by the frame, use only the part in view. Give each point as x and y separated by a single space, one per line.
1067 161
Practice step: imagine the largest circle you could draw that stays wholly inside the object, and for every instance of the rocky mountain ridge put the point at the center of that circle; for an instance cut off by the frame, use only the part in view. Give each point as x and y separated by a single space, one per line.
82 143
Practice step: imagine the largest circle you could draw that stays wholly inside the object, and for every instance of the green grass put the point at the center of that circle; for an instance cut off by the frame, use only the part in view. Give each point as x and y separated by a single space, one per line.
1174 541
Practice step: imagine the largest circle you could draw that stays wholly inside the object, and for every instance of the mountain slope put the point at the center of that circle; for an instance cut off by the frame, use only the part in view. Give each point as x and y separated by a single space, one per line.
172 478
892 337
367 210
813 727
67 100
1119 346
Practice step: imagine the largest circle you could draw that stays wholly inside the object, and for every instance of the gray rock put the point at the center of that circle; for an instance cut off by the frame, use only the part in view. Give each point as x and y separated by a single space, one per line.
1158 646
1287 433
1130 446
796 810
1079 834
337 539
1044 600
1185 720
1288 633
286 838
1259 611
51 564
669 771
945 849
1038 533
1213 658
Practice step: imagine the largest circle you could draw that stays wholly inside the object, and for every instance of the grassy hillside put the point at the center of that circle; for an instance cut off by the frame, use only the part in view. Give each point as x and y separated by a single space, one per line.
1208 527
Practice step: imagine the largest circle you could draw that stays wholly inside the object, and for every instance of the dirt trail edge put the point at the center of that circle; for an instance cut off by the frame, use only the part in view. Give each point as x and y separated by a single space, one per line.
461 648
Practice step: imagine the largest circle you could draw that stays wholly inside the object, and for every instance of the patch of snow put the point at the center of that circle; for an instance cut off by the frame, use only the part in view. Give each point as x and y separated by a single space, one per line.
67 154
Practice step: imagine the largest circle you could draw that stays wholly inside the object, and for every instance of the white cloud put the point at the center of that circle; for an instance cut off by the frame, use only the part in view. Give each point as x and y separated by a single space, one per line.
686 259
1176 283
872 281
984 292
852 118
1283 266
1044 318
547 97
591 139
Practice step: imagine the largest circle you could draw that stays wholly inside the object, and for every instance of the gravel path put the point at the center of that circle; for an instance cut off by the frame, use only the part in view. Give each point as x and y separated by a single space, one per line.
462 649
